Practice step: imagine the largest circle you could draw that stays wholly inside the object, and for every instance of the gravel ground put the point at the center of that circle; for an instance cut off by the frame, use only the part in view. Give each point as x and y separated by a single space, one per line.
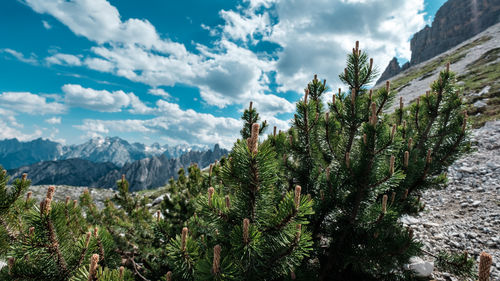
99 195
466 215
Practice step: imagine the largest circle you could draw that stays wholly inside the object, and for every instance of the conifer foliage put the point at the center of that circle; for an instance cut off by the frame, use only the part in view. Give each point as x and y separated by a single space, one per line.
366 167
52 241
245 228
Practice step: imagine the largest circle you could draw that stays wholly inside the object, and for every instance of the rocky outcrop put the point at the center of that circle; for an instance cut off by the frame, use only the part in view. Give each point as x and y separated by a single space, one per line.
455 22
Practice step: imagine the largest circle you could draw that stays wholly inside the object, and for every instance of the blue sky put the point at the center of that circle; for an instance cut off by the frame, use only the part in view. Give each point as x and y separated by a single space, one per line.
180 71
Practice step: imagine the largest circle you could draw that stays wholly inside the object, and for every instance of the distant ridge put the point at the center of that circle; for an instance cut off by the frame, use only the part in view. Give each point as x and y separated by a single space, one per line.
142 174
14 153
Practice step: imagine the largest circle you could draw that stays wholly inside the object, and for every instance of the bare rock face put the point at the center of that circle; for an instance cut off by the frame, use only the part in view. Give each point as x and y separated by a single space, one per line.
455 22
391 70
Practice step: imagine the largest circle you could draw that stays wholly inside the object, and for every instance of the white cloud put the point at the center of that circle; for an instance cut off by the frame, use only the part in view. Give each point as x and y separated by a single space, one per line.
8 132
159 92
175 123
243 27
316 35
29 103
103 100
20 56
225 74
64 59
99 64
53 120
46 24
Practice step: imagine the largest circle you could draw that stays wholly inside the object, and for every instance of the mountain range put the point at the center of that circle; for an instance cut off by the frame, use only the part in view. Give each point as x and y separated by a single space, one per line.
100 162
142 174
14 153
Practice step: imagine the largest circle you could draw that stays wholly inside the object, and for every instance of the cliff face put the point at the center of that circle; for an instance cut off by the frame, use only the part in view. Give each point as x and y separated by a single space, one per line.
455 22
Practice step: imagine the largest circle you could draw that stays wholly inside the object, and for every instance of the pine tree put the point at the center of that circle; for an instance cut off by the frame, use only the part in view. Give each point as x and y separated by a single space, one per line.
52 241
245 228
366 168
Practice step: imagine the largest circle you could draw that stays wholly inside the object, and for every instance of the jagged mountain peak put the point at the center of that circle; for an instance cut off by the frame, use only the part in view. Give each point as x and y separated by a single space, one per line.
15 153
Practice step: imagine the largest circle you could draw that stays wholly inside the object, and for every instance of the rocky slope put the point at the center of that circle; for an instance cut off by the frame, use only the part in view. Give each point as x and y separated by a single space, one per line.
466 215
477 64
455 22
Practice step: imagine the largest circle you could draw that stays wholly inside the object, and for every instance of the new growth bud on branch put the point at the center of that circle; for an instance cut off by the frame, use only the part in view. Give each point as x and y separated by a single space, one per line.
246 224
45 206
94 259
391 165
87 239
373 119
216 261
387 86
406 158
384 204
50 192
169 276
485 262
183 238
211 191
228 201
299 232
428 158
254 138
296 199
